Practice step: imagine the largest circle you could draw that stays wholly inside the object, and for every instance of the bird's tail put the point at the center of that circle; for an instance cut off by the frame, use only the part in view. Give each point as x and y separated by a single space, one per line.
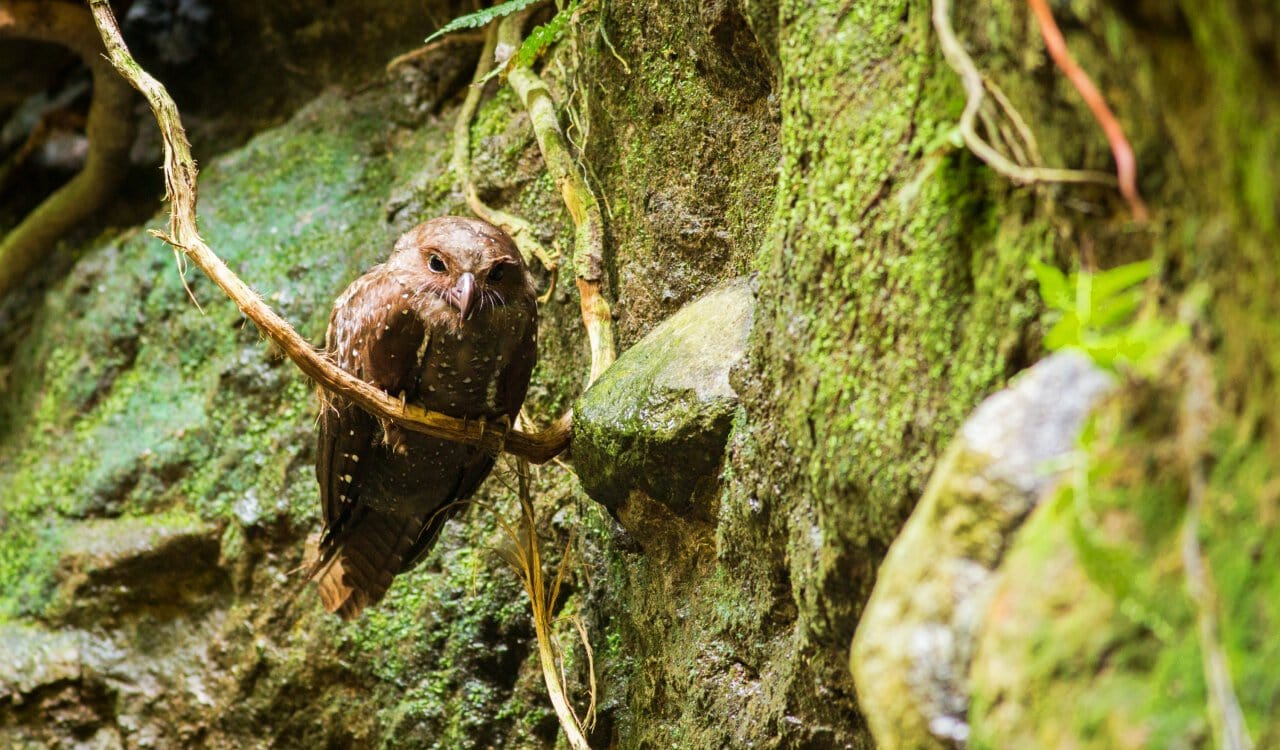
356 570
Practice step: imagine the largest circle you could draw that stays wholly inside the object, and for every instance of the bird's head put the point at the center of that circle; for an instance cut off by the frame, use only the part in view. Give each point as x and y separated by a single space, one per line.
470 264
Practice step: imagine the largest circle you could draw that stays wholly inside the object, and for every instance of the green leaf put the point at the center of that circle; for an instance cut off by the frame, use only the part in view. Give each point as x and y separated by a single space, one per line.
1115 280
1053 286
1158 341
1109 311
543 36
482 17
1084 298
1064 333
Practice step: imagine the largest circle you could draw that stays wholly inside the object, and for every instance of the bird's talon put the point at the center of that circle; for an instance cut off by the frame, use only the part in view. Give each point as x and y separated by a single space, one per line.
504 422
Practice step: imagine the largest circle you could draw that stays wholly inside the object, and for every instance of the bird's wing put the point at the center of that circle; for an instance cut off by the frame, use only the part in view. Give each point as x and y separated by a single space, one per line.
513 380
374 335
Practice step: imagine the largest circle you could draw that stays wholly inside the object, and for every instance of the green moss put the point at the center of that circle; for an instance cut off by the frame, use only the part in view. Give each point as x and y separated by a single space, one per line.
1080 645
685 147
801 141
1242 551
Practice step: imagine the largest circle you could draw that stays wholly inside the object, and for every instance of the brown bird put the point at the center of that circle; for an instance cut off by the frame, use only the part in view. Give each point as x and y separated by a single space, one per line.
449 323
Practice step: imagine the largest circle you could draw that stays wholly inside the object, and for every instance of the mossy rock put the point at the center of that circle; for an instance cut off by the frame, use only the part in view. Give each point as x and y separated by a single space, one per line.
657 420
911 653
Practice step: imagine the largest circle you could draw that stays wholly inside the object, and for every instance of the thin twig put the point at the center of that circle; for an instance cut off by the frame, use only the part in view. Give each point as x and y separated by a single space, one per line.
588 246
1126 166
971 79
470 37
581 627
180 183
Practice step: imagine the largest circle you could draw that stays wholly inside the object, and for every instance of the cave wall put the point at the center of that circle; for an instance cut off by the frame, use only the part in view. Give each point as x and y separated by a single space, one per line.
808 144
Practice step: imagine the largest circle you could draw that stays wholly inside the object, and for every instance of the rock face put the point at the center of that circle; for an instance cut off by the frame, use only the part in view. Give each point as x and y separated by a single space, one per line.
803 142
657 420
124 587
917 636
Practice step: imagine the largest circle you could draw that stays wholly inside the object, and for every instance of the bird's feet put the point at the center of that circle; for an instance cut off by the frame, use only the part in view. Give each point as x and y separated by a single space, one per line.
502 424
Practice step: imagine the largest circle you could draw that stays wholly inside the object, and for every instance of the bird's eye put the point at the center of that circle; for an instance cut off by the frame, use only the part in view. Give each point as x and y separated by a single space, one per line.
496 273
436 265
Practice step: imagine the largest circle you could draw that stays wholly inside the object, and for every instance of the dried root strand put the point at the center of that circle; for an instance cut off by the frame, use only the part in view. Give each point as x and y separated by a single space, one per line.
976 88
460 164
525 556
1126 165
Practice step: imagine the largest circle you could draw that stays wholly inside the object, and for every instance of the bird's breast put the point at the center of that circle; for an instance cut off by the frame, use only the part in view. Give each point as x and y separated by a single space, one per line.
459 374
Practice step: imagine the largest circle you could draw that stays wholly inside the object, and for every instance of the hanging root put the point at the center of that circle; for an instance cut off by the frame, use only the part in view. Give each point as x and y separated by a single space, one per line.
110 130
584 208
1126 165
1023 164
525 556
460 164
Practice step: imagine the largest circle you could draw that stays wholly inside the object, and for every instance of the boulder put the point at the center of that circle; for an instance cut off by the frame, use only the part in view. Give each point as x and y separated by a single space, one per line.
915 641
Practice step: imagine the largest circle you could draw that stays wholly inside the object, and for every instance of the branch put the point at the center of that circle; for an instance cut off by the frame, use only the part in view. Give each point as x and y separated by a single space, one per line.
109 128
180 182
588 241
426 49
1126 168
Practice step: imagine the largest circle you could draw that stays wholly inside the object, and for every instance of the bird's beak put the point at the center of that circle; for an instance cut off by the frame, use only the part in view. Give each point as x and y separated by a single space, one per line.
462 294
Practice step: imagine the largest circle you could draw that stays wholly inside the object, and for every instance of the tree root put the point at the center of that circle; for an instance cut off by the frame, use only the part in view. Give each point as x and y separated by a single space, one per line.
180 181
588 250
110 130
1126 167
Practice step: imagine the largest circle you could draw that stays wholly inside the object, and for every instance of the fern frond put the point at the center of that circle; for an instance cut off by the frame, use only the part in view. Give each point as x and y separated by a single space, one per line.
483 17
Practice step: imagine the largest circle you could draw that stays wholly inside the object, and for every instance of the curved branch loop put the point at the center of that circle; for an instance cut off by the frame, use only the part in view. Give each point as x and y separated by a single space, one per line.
110 130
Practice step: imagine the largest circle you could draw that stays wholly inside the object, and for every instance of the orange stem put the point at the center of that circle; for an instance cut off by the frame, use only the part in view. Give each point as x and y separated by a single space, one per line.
1126 165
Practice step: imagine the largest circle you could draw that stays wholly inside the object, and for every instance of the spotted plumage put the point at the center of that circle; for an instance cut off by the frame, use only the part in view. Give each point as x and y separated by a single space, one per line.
449 322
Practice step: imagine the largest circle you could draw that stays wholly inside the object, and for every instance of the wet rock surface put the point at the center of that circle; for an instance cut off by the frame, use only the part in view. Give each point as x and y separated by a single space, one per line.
117 568
657 420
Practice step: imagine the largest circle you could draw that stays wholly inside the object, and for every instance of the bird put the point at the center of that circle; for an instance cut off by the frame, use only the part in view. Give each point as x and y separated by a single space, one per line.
449 323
